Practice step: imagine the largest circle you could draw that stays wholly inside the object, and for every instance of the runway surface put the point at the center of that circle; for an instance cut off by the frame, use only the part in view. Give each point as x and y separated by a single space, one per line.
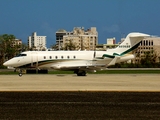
68 97
91 82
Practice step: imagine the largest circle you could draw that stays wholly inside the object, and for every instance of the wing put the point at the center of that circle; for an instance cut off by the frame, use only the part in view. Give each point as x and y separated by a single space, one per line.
80 65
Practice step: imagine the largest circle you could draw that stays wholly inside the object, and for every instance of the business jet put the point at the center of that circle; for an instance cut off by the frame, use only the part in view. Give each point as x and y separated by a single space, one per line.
80 62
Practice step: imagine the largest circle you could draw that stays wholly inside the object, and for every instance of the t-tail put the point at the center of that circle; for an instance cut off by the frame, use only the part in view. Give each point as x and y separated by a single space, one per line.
130 43
121 53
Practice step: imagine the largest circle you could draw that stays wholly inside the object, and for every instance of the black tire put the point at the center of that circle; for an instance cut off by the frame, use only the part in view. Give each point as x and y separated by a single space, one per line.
81 73
20 74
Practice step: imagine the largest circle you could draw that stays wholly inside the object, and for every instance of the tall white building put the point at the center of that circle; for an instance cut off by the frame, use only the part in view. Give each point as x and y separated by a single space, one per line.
37 42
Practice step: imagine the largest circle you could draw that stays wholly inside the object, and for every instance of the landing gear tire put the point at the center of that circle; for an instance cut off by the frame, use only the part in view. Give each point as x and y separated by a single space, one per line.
20 74
81 73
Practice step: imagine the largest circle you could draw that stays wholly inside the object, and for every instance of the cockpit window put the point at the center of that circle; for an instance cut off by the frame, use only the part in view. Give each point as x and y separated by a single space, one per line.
20 55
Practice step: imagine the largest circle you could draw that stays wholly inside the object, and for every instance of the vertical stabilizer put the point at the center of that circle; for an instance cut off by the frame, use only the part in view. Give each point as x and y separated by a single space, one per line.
130 43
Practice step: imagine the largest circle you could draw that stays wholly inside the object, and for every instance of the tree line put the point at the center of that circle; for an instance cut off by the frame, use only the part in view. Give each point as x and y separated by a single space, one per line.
9 48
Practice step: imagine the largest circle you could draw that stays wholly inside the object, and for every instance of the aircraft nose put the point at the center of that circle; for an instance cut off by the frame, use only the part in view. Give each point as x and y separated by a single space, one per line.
5 64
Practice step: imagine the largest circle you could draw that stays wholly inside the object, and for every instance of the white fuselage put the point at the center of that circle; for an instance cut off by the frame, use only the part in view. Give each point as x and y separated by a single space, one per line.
61 59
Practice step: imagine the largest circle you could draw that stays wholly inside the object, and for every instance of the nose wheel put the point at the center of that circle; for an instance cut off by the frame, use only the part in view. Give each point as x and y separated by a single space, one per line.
20 73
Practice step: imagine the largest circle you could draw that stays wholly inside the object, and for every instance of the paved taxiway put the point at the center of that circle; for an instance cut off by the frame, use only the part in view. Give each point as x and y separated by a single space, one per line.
71 82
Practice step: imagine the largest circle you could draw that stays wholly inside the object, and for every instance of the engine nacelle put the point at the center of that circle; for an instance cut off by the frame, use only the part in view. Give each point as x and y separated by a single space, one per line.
126 58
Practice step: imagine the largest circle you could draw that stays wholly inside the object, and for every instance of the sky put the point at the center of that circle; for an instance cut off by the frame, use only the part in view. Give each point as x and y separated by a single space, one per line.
112 18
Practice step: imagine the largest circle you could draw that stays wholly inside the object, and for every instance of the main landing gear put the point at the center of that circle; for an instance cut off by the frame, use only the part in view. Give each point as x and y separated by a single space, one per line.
80 73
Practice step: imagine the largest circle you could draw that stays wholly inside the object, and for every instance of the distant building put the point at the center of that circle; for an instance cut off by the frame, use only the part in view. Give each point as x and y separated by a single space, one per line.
17 42
151 45
122 39
59 38
111 43
104 47
37 42
82 39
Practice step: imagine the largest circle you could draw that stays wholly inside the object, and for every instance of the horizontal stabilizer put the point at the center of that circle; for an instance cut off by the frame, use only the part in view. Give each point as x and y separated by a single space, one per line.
138 35
114 60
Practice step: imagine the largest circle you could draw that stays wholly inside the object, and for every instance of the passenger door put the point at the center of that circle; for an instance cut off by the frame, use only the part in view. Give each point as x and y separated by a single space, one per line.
34 59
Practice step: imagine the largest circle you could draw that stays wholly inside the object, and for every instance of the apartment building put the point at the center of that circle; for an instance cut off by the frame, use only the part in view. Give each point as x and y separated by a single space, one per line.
81 38
59 38
17 42
37 42
149 45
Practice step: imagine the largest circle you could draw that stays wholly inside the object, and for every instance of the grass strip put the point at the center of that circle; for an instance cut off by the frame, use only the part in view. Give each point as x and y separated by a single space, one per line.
98 72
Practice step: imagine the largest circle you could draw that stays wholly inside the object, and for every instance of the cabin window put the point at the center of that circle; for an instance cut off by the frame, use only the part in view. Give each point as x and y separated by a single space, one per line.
44 57
68 57
62 57
23 54
50 57
74 57
56 57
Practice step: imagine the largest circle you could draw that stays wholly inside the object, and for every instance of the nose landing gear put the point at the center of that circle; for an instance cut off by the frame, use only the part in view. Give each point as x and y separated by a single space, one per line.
20 73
